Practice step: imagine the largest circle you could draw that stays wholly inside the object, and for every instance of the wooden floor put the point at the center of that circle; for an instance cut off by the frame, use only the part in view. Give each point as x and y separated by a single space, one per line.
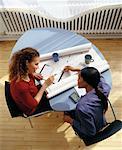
49 132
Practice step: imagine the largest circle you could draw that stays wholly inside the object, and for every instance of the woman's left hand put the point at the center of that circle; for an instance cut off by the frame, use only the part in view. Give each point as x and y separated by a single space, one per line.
38 76
68 119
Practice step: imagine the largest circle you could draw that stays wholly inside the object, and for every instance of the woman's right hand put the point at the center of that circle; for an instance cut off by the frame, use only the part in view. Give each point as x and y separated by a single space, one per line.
49 81
68 68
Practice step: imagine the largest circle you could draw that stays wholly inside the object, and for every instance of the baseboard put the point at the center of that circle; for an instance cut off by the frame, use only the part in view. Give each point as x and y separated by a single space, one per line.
9 37
88 36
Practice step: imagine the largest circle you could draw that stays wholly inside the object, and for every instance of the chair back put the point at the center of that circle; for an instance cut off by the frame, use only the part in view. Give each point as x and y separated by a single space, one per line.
111 129
108 131
13 108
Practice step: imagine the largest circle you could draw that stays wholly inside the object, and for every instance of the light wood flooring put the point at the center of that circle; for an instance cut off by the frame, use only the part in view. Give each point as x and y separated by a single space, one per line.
49 132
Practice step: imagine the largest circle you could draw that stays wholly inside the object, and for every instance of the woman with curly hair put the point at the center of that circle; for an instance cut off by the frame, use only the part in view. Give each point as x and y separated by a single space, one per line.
29 98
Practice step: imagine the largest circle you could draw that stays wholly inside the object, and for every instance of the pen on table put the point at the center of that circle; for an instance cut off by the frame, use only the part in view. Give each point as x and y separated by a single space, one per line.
61 76
42 68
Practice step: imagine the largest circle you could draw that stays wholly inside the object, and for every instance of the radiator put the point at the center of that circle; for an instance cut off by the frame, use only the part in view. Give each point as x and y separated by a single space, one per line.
105 21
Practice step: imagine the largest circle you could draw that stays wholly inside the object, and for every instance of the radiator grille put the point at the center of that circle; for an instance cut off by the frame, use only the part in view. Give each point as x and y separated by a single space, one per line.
100 21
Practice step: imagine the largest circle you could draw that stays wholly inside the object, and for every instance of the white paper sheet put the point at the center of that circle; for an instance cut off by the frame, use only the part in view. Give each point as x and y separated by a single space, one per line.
46 71
103 66
61 86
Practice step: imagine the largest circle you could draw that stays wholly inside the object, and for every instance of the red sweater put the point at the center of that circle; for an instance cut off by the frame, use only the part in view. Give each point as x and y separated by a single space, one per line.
23 93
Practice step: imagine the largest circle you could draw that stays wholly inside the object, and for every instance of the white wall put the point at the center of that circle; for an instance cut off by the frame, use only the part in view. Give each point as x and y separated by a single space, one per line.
2 26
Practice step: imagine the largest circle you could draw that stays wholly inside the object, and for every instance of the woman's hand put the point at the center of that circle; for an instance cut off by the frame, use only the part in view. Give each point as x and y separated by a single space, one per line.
41 91
38 76
68 68
68 119
49 81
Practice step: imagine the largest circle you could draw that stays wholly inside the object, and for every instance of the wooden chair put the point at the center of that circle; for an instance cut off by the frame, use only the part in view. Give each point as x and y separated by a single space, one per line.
109 130
13 108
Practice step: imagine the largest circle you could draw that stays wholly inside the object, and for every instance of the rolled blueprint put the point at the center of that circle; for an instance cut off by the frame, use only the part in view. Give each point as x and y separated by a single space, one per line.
71 50
62 86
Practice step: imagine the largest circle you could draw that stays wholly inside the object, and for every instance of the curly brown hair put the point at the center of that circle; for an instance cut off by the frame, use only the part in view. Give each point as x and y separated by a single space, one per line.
18 62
